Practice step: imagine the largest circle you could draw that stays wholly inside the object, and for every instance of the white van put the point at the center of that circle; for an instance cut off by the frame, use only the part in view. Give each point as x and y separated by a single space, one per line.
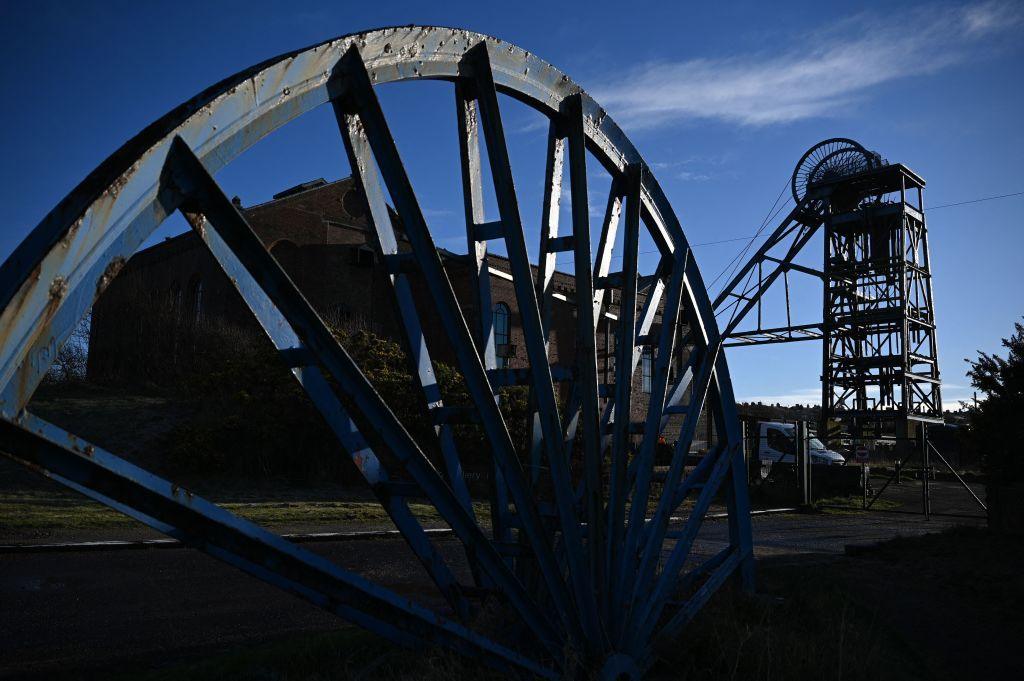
777 443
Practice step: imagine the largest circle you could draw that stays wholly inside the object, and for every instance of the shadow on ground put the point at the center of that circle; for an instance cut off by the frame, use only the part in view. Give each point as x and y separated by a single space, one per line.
938 606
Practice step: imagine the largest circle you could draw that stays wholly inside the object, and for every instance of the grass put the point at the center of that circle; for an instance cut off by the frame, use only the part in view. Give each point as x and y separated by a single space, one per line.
973 563
52 509
852 504
25 511
348 653
801 626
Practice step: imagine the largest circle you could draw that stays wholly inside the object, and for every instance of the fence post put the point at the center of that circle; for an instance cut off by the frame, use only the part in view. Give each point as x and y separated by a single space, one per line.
804 463
864 485
746 452
926 471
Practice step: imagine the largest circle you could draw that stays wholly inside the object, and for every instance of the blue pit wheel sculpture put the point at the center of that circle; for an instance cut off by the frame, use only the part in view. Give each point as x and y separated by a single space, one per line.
589 580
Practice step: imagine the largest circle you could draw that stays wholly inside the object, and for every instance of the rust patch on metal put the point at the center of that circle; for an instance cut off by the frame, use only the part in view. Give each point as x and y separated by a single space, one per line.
58 288
116 186
69 235
14 310
109 274
359 460
178 490
197 220
119 183
40 356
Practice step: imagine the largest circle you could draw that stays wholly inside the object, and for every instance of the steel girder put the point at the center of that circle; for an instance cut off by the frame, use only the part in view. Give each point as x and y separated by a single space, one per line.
598 582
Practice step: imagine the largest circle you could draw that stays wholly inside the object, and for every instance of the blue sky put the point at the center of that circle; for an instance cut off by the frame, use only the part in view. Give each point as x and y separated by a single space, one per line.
720 99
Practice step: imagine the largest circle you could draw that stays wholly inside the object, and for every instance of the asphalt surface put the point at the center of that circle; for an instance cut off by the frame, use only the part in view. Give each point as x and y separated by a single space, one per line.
81 614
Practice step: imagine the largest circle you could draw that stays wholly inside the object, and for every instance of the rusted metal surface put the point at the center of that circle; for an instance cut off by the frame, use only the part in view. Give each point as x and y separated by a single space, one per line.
590 588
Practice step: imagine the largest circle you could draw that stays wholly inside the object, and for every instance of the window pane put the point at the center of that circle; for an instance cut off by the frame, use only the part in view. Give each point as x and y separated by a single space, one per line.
500 323
645 368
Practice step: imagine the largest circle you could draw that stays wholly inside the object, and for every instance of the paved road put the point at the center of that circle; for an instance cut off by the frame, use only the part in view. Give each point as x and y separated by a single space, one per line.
81 613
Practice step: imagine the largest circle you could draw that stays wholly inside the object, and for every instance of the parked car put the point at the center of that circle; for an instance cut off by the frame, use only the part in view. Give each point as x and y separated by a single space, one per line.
776 443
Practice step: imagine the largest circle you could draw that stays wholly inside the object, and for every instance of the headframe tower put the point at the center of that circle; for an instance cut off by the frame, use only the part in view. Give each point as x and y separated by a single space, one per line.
880 373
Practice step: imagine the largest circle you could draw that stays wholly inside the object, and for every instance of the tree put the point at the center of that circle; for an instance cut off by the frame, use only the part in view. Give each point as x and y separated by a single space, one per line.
70 363
251 418
996 424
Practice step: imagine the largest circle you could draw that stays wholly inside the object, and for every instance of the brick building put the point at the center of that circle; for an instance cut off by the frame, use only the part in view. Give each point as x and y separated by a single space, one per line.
319 234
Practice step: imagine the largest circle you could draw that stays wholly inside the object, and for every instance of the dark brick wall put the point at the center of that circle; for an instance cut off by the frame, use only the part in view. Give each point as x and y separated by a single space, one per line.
141 325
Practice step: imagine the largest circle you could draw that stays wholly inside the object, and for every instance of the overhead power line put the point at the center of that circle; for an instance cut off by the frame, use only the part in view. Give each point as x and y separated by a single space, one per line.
963 203
756 234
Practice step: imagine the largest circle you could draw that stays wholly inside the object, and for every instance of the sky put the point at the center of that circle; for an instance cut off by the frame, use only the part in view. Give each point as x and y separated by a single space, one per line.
721 99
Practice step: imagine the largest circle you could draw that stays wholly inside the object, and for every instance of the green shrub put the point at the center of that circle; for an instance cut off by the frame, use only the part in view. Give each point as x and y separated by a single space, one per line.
252 418
996 428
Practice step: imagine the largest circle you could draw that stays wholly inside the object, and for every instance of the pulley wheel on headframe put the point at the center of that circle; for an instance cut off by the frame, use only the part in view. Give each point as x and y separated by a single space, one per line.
829 160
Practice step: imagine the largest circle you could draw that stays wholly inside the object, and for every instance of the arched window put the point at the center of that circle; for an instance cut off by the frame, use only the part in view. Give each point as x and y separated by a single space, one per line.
646 369
500 322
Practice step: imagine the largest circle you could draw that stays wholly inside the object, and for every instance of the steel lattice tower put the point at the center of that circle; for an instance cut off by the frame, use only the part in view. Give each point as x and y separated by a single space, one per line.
880 375
879 360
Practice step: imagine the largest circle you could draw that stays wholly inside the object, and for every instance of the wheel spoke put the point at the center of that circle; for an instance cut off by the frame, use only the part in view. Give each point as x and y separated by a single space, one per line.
659 525
386 245
586 342
626 350
654 420
545 283
356 95
473 201
175 511
577 576
477 62
239 251
648 610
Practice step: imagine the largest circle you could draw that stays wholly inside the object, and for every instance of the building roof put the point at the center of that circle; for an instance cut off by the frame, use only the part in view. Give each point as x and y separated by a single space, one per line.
317 212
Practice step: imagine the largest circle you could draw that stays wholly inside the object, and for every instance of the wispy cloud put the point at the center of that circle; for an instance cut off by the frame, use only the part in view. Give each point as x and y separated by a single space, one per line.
825 71
692 168
954 394
595 204
534 124
693 176
436 212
